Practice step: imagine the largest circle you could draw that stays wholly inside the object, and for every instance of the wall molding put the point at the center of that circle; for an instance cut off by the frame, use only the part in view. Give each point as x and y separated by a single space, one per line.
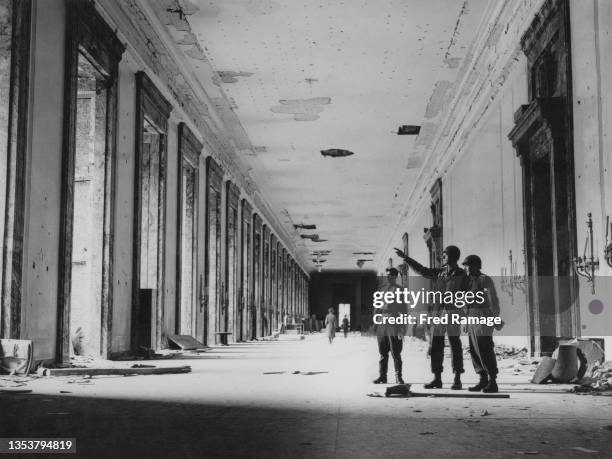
495 53
139 26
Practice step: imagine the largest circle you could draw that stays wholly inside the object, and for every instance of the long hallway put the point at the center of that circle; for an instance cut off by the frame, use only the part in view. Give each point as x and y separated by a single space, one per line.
246 400
237 174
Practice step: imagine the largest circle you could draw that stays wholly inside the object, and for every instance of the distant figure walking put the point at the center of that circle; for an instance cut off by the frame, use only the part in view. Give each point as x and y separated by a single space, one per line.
331 323
345 325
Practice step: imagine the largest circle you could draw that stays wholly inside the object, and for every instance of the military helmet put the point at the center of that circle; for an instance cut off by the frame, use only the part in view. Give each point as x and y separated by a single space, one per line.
392 272
473 261
453 252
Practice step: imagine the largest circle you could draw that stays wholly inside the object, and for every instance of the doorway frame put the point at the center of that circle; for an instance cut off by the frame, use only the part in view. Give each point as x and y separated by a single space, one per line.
214 182
189 152
16 159
545 126
232 244
90 35
152 105
246 217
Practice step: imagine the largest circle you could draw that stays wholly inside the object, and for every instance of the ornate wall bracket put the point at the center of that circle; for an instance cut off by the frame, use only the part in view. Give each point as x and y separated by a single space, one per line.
511 280
608 246
586 266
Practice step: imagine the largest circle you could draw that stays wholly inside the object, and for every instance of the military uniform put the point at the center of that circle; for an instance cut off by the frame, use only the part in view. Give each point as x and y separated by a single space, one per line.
446 279
449 278
390 338
482 349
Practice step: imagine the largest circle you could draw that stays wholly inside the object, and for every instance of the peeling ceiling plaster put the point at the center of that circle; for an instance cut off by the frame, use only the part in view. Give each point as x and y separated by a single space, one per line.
302 109
270 65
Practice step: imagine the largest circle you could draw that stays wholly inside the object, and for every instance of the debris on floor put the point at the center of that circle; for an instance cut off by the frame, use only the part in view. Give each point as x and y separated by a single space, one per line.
112 371
575 361
15 391
83 382
295 372
184 342
400 389
403 391
504 351
583 450
14 381
599 382
16 356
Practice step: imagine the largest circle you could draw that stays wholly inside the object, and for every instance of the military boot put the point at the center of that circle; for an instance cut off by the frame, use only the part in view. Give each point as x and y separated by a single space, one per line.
457 382
491 387
398 374
481 384
382 372
436 383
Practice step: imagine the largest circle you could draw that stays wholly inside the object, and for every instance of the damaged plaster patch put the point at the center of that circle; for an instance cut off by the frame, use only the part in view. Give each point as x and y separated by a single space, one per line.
189 7
195 52
210 10
262 7
437 99
188 39
452 62
228 76
426 136
494 35
456 31
302 109
414 162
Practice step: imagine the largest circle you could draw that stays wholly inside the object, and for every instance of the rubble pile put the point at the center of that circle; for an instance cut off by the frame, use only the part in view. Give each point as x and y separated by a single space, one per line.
514 360
504 351
599 381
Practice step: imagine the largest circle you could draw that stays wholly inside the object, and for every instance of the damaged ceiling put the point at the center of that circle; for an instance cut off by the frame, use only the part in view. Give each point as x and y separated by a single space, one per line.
290 79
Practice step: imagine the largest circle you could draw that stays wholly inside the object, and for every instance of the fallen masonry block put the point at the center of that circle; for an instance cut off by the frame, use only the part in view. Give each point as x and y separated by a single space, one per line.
112 371
544 371
184 342
16 356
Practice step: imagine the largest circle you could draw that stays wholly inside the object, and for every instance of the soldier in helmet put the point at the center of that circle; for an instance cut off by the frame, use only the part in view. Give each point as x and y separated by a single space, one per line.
449 278
390 337
481 336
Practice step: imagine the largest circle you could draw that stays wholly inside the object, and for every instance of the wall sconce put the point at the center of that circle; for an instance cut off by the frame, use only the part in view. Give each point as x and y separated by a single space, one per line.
512 280
608 247
586 266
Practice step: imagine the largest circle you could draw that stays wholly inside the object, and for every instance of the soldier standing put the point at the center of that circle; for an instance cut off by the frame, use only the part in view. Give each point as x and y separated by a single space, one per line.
390 337
482 348
449 278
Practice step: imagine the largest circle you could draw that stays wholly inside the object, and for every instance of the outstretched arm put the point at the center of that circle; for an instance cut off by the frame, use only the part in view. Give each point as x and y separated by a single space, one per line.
429 273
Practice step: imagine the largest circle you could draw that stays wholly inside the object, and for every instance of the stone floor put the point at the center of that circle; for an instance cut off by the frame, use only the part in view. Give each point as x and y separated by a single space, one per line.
229 407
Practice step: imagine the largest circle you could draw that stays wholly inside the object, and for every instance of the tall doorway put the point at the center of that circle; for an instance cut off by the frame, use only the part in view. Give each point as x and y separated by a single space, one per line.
232 267
88 210
344 310
187 254
85 290
216 312
246 273
152 113
343 295
542 137
256 292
